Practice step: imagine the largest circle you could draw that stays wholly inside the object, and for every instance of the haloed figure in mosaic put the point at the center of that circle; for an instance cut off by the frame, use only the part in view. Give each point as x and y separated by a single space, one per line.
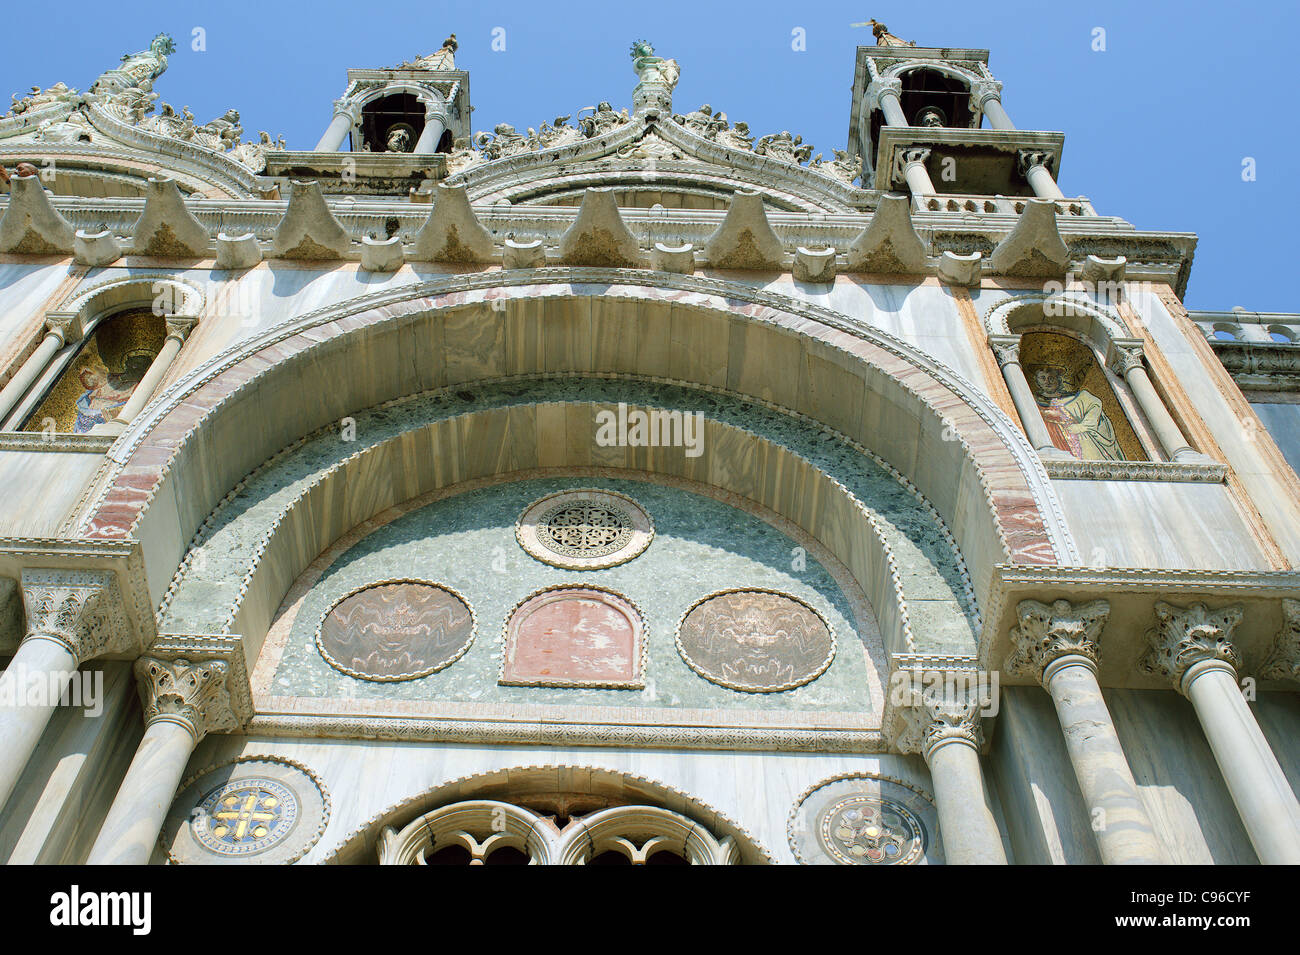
1074 416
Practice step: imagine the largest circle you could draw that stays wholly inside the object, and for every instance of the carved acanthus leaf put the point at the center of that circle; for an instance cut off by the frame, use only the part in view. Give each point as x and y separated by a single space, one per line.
1049 632
1186 636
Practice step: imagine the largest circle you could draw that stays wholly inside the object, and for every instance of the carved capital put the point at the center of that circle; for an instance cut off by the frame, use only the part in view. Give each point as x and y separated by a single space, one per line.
192 694
179 327
1006 348
905 157
881 85
1125 358
348 107
1049 632
939 716
1186 636
63 325
1027 158
983 91
1283 660
80 609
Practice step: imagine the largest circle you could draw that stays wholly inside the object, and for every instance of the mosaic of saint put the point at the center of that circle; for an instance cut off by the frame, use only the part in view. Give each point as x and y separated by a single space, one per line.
574 636
1078 406
756 641
398 630
103 374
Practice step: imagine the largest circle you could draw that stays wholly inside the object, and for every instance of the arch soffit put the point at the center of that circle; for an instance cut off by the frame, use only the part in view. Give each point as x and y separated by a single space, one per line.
1094 322
948 69
156 450
183 296
521 783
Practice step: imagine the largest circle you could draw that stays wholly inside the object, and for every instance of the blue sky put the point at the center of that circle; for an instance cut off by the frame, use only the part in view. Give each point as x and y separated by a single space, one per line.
1157 126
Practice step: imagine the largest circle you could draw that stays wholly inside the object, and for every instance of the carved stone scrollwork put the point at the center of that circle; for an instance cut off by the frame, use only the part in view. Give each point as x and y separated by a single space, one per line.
80 609
1283 660
192 694
939 716
1027 158
1049 632
1186 636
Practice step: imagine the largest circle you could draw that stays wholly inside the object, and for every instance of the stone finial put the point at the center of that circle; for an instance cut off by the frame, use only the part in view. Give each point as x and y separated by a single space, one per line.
236 252
96 249
167 227
308 229
961 270
523 255
381 255
31 225
452 233
192 694
1034 248
1048 632
1186 636
78 608
814 265
599 236
936 718
889 243
745 239
673 258
1283 660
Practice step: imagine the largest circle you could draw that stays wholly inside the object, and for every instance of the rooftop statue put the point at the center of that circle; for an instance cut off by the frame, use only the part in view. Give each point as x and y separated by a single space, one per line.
444 58
657 77
882 34
138 70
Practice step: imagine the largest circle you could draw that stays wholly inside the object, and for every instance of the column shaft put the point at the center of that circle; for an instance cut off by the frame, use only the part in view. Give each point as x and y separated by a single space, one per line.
1167 431
29 372
49 665
337 131
1022 396
918 180
892 108
997 116
1041 181
434 127
1124 832
970 834
136 816
1258 786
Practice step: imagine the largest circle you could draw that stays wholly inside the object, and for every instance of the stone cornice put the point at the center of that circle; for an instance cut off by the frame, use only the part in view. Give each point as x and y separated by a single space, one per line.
38 441
1177 472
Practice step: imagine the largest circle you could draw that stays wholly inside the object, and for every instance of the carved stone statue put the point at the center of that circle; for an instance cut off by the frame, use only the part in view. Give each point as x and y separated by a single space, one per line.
138 69
400 139
884 37
843 167
75 129
503 141
444 58
703 122
225 128
656 78
59 92
602 120
784 147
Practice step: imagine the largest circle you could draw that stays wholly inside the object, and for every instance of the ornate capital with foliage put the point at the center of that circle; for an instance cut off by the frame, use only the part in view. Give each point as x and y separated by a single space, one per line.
1125 358
1049 632
1028 158
80 609
982 91
937 717
1283 660
879 87
1006 348
1186 636
192 694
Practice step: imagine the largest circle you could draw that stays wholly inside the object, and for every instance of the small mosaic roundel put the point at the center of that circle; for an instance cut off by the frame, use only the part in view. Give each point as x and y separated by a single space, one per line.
864 819
756 641
580 636
396 630
258 809
584 529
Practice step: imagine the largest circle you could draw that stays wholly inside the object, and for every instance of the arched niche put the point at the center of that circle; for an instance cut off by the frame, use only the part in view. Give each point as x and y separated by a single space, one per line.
226 418
533 799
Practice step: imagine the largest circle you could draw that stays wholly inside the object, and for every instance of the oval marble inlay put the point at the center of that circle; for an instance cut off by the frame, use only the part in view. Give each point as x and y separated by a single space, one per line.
578 636
584 529
396 630
757 641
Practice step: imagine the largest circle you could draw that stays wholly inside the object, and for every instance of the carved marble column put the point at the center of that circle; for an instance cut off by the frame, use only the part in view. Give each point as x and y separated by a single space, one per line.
1192 648
346 114
945 729
72 617
1058 645
1126 358
1032 164
435 124
1007 350
183 702
56 336
884 93
986 98
178 329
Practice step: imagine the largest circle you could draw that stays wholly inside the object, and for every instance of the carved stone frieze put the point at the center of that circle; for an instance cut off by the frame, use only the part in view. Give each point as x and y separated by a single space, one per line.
191 693
1048 632
1186 636
83 610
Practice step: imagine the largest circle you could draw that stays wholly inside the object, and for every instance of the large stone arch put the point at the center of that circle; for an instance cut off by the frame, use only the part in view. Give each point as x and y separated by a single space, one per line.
210 429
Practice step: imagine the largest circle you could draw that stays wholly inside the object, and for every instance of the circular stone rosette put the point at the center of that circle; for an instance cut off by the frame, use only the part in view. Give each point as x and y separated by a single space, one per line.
393 630
575 635
255 809
755 640
864 819
586 529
